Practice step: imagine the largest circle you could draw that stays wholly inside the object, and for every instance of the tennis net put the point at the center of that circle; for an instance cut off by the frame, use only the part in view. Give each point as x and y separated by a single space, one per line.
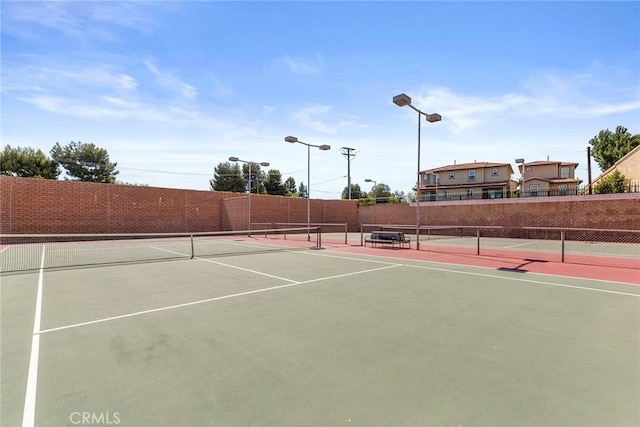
24 252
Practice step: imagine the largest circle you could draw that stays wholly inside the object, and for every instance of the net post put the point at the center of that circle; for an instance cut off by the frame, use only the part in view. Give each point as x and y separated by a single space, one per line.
361 234
319 238
346 231
193 254
478 238
562 245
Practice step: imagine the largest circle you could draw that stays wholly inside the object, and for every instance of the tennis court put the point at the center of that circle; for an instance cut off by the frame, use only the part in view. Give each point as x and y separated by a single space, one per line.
286 334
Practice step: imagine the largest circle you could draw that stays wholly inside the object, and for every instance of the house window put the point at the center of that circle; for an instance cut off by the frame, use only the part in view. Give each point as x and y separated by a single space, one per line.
564 172
562 189
447 194
494 172
534 189
472 175
437 178
494 193
452 175
469 193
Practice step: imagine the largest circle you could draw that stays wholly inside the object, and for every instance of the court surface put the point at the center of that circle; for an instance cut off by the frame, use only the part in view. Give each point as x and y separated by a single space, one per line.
340 336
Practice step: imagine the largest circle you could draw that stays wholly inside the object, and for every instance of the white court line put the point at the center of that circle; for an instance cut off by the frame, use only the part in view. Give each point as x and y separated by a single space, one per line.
494 276
480 267
29 413
470 273
246 269
229 265
173 307
520 244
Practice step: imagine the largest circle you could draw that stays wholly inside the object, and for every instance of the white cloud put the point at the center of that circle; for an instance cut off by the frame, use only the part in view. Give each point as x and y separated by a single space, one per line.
547 95
319 118
168 80
37 76
309 117
74 19
302 66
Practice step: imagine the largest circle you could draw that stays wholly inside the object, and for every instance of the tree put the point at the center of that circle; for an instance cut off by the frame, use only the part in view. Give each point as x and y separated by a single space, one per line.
610 147
290 187
133 184
85 162
356 192
400 197
257 178
27 163
302 191
381 193
413 194
615 182
227 177
273 184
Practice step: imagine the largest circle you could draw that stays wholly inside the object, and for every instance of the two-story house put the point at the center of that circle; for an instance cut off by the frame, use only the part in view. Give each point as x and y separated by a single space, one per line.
548 178
629 166
477 180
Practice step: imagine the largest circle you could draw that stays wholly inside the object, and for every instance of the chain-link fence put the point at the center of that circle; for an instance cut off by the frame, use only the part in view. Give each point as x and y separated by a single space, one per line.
605 247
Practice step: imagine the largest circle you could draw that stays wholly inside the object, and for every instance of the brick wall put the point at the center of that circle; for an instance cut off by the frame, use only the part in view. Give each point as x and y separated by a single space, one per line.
610 211
29 205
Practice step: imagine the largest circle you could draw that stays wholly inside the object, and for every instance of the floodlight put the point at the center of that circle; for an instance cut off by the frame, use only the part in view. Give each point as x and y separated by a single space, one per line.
402 100
432 118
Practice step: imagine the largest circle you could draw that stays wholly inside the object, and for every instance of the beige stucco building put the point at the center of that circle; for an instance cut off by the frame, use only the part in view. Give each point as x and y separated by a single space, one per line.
548 178
629 166
477 180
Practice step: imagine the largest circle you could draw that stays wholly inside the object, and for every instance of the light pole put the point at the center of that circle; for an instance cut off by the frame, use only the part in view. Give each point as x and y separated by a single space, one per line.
265 164
402 100
521 194
293 140
375 186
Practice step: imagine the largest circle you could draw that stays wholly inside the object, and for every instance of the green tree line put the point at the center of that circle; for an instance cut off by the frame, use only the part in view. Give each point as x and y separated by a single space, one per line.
81 162
90 163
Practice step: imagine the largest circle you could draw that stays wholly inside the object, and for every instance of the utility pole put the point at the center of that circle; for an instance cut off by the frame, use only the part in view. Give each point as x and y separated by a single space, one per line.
589 166
347 152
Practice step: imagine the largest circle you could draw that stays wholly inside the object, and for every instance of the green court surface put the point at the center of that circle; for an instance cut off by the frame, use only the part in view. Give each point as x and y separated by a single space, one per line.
316 338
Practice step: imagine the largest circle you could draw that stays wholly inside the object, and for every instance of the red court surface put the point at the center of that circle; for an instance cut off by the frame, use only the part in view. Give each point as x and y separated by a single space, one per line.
520 261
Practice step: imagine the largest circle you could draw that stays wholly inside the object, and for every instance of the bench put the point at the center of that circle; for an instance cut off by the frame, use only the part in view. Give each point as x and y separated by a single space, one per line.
393 238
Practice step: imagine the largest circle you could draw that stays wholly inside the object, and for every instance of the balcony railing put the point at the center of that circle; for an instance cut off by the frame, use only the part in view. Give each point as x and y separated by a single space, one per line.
479 193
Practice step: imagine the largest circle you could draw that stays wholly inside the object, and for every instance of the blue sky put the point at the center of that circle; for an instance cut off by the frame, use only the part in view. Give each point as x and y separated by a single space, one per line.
171 89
